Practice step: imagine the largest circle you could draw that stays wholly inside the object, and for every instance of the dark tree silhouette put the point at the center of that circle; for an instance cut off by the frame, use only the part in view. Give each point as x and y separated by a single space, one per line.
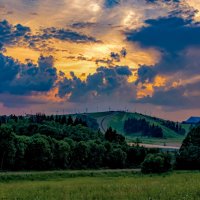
134 125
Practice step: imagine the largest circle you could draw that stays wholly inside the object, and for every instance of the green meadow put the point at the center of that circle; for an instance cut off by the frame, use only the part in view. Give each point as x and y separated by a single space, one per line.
102 185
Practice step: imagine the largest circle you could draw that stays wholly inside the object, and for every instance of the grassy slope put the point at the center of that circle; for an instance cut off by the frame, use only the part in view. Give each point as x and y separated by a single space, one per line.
117 121
176 185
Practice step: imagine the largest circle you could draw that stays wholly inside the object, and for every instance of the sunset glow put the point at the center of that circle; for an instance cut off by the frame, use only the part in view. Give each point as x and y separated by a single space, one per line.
64 54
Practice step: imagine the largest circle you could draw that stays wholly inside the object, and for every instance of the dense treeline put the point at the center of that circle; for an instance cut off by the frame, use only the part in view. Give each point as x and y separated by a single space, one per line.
61 119
189 153
50 142
134 125
175 126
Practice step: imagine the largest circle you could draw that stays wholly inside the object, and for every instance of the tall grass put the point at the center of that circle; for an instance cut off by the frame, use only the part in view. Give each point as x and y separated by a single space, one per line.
173 186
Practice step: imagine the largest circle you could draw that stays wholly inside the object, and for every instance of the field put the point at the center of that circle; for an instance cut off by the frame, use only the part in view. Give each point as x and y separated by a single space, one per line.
105 184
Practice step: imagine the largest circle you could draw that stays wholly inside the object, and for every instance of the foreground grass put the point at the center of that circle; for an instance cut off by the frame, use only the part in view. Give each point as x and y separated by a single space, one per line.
103 185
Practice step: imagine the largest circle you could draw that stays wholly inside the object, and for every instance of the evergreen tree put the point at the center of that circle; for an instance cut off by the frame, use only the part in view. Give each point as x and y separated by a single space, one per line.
70 121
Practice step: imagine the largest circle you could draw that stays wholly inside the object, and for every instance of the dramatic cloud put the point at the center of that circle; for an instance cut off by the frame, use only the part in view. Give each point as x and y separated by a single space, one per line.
66 35
114 57
17 78
124 71
182 97
104 82
22 35
10 34
171 34
9 69
149 50
177 39
33 78
42 40
145 74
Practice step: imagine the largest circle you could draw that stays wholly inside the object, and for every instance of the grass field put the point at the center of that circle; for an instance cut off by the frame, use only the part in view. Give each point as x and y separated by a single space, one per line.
102 185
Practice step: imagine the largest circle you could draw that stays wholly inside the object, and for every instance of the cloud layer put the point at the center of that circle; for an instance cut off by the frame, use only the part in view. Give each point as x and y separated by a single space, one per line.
141 52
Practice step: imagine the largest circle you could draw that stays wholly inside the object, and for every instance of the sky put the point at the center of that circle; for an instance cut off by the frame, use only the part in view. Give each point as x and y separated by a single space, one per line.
71 56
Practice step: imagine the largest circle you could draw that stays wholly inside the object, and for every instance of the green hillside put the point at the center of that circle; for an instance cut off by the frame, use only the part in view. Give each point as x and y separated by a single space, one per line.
116 120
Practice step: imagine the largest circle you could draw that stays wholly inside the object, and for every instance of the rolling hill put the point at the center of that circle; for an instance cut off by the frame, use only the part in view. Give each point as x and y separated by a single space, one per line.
116 119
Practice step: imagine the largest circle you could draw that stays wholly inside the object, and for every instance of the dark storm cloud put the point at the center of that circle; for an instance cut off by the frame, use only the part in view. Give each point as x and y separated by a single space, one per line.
177 39
173 36
22 36
104 82
17 78
145 74
179 65
124 71
169 65
33 78
184 96
41 40
9 69
170 98
170 33
10 34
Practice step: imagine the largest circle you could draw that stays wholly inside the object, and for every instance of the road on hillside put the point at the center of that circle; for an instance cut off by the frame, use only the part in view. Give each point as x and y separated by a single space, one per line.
103 125
103 121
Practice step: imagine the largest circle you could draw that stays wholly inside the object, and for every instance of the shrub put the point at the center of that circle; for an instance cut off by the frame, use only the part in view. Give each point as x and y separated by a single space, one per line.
156 163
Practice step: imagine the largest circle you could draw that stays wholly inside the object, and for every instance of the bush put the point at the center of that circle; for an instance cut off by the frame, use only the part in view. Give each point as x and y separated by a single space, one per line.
156 163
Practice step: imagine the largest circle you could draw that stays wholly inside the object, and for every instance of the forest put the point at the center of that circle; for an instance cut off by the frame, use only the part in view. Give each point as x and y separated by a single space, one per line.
43 142
133 125
40 142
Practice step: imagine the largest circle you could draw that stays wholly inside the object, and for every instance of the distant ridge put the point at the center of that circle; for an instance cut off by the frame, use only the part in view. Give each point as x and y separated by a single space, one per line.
192 120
